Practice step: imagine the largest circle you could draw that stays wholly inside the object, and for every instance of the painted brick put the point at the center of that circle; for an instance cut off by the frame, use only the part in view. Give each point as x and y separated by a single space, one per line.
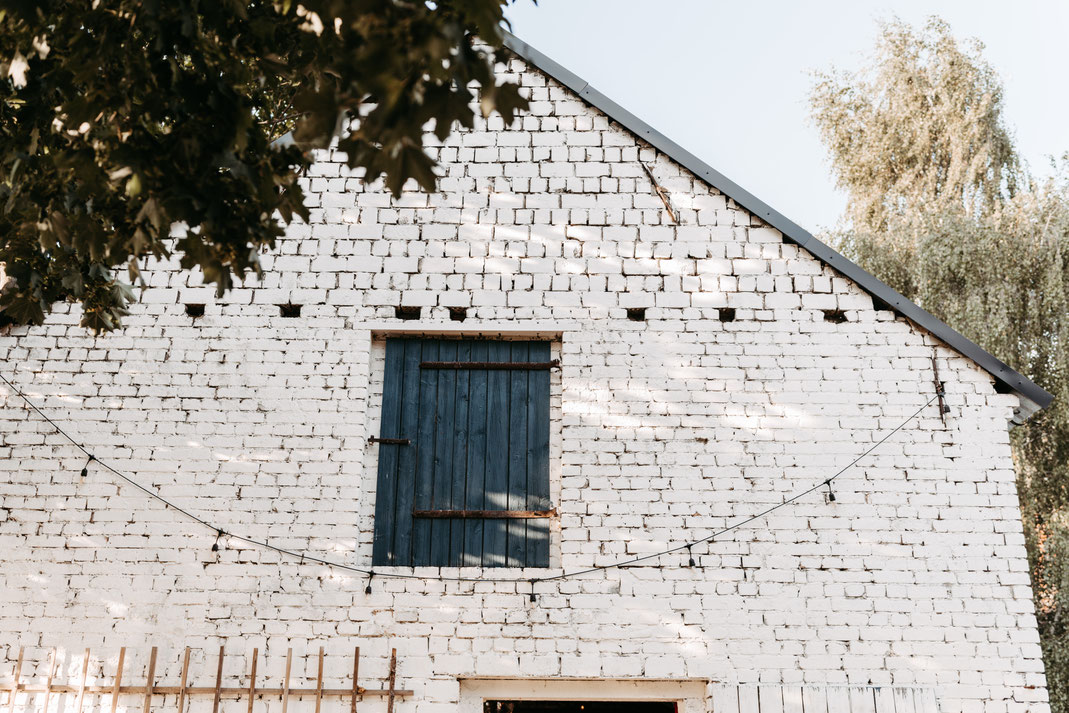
666 429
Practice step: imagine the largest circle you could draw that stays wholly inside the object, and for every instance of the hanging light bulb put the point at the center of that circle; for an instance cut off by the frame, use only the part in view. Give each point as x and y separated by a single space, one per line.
367 589
85 468
215 545
690 555
831 493
534 597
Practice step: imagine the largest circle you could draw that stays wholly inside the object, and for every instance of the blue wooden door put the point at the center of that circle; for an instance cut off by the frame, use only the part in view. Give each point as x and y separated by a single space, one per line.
478 441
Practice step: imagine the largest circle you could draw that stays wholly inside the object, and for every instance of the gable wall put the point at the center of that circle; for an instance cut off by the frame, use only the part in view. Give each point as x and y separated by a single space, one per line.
668 430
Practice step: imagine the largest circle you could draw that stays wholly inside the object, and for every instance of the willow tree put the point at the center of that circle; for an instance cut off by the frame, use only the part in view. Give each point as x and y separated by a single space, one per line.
941 207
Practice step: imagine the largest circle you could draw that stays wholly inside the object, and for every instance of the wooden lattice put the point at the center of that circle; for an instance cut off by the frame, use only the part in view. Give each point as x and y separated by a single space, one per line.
354 693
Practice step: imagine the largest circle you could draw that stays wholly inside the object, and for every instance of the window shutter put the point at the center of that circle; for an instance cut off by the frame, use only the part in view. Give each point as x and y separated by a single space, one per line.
479 441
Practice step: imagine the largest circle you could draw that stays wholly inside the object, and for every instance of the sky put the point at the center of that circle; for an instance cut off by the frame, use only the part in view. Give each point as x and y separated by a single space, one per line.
729 80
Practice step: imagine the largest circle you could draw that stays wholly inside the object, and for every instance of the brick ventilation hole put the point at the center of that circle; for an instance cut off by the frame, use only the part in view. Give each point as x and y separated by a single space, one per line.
636 314
457 314
835 316
195 310
727 314
289 311
407 312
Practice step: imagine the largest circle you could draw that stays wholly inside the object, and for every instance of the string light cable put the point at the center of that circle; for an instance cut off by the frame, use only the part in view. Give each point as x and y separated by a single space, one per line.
303 557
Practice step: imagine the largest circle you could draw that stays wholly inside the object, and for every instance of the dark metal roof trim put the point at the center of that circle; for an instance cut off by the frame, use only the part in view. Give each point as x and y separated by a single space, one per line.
1033 396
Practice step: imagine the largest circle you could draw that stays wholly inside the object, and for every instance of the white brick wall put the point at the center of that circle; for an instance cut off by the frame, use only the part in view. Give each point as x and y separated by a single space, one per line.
668 430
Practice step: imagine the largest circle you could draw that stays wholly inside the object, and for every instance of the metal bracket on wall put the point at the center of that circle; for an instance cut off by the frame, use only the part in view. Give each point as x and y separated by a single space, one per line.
940 390
662 194
390 441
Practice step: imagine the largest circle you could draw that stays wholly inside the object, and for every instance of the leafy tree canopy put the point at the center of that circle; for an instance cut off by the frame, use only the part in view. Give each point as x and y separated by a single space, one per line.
941 207
120 118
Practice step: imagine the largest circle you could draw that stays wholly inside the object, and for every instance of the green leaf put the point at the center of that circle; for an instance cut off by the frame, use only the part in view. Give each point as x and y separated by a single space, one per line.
23 308
133 186
141 115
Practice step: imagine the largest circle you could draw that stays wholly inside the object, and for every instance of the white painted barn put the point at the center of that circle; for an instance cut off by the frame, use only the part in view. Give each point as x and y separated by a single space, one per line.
588 347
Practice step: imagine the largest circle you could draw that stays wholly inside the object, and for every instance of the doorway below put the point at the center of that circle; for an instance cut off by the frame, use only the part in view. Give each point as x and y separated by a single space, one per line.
579 707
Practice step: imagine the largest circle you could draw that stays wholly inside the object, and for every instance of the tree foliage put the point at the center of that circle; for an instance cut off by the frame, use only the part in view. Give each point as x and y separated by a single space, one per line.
120 118
960 155
941 207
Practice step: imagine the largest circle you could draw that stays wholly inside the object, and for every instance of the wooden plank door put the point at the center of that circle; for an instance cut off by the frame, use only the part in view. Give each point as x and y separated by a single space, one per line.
478 439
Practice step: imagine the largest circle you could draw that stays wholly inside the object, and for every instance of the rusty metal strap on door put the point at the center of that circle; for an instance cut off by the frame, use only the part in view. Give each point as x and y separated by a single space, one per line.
492 365
486 514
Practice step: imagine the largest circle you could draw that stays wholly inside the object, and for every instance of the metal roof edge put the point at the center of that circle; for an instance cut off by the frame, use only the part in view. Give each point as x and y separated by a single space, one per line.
1033 396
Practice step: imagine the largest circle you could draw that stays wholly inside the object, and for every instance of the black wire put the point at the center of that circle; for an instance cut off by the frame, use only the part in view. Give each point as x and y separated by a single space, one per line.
397 575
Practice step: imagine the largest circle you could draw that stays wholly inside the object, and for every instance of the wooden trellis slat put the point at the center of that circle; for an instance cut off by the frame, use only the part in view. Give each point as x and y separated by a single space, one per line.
224 691
15 683
81 686
150 680
393 676
182 685
117 688
353 692
252 679
51 676
286 685
356 675
218 682
319 680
